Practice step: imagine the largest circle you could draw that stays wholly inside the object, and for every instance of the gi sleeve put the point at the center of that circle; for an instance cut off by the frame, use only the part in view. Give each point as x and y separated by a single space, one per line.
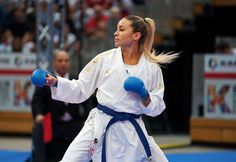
157 104
77 91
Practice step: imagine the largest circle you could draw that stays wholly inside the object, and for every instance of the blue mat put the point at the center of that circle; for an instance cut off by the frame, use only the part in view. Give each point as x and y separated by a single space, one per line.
219 156
13 156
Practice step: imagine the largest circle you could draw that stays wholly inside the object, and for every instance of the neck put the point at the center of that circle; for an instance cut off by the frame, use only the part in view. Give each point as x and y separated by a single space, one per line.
130 56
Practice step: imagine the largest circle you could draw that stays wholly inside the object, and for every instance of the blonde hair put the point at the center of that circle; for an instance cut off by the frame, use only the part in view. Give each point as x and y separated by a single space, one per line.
146 26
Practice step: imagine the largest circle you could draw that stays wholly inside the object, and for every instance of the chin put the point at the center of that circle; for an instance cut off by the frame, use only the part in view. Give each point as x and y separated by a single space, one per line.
116 45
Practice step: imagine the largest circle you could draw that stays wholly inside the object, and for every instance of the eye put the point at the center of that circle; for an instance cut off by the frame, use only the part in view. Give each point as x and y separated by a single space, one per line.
120 28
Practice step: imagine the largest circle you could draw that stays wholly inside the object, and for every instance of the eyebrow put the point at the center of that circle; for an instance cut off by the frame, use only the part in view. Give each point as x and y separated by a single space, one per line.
120 26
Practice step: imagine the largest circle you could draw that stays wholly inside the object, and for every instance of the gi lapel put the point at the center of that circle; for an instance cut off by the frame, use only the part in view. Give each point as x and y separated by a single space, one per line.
121 70
120 67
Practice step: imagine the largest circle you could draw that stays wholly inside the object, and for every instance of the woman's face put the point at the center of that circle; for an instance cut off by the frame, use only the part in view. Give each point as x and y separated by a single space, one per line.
124 35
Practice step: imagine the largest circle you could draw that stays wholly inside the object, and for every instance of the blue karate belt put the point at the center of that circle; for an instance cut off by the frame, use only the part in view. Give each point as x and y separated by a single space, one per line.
121 116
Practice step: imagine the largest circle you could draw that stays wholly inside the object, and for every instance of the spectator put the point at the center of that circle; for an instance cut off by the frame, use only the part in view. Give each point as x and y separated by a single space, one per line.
28 45
18 24
96 24
3 17
95 29
17 44
104 3
6 42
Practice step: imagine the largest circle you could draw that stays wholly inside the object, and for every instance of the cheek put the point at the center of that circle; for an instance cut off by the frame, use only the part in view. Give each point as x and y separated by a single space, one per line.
127 38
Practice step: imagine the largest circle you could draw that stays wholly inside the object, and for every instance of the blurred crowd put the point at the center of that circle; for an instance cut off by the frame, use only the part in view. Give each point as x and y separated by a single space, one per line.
87 22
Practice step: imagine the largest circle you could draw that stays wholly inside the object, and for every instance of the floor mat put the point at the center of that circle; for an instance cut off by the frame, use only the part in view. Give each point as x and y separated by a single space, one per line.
219 156
13 156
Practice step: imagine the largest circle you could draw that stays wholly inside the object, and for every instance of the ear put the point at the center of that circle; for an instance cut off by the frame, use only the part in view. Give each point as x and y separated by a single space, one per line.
137 36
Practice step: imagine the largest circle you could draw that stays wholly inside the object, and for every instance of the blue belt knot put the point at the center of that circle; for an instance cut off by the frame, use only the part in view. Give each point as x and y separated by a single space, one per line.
122 116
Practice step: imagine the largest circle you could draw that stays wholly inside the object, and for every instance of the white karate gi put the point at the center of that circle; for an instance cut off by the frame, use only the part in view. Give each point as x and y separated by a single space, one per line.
107 73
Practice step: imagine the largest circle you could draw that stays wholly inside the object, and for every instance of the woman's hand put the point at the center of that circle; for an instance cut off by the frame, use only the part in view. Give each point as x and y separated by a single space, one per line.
51 80
136 85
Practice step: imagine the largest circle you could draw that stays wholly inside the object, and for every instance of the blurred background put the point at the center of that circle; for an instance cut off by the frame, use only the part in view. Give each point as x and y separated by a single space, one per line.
200 86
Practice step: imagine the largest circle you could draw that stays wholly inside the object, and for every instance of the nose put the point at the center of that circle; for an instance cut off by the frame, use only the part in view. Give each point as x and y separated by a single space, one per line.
116 33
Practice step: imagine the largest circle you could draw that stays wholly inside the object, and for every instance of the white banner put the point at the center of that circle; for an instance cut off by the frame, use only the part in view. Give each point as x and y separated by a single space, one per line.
220 86
16 89
17 61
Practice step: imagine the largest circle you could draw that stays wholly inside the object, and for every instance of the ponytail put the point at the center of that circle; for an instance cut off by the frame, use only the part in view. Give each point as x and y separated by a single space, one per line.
150 53
146 27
